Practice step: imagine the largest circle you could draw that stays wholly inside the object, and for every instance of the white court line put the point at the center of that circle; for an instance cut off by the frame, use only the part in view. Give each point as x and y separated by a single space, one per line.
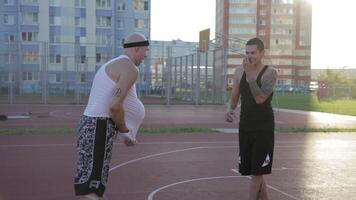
168 152
271 187
150 196
59 114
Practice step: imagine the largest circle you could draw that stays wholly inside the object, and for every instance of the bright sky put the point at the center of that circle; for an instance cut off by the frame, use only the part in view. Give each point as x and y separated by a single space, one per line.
333 35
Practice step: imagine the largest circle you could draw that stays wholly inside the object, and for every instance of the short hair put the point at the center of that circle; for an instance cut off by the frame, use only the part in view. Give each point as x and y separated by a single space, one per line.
258 42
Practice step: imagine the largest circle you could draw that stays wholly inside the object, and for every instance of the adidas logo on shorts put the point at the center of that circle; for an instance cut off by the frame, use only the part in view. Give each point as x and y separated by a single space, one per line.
267 161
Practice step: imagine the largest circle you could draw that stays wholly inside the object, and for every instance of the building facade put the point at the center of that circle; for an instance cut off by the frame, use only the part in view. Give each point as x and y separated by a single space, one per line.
283 25
57 45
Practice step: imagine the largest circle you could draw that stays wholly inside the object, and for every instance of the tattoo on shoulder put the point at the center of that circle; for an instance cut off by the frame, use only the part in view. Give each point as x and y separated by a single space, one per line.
268 82
117 92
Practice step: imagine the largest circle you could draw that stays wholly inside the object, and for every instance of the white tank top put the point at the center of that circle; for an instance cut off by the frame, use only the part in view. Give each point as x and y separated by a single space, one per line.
101 98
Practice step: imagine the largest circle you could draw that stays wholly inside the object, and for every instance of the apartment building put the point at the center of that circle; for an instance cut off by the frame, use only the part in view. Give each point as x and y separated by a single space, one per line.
57 45
283 25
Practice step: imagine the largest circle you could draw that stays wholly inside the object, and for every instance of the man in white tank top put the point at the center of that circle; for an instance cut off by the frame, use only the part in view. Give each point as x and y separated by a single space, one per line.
113 106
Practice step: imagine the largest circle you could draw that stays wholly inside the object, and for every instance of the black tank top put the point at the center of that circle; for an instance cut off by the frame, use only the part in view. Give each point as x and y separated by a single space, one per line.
250 110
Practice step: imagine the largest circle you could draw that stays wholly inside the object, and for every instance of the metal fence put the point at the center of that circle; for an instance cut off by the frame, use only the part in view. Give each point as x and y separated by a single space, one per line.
199 78
63 73
39 72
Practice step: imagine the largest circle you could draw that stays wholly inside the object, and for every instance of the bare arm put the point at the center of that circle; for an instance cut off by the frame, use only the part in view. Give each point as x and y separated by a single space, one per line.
235 95
127 77
268 82
235 92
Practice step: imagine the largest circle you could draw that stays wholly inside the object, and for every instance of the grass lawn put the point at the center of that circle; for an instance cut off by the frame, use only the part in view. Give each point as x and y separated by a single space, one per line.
310 102
177 130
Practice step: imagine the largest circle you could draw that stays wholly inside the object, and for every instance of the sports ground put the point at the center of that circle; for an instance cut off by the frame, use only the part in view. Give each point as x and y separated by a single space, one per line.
178 166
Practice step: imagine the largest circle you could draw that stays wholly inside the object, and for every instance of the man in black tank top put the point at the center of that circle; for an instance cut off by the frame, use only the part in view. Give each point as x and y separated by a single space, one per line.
254 82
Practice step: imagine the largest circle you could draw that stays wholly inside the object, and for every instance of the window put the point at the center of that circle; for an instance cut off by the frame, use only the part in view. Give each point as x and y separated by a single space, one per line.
262 12
103 21
286 72
11 38
138 4
302 43
146 5
234 10
263 22
9 2
7 77
9 19
120 24
82 59
30 76
58 58
54 38
83 78
54 78
242 20
55 58
140 23
242 31
29 57
10 58
54 20
102 39
80 3
98 57
29 36
121 6
29 18
304 72
54 2
283 1
262 32
79 21
103 3
29 1
286 21
83 39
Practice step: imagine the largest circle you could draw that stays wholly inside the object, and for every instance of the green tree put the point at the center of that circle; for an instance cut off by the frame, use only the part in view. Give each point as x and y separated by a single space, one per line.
333 77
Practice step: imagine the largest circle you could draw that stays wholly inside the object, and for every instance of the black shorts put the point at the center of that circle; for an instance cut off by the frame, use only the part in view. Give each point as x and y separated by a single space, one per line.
256 144
94 150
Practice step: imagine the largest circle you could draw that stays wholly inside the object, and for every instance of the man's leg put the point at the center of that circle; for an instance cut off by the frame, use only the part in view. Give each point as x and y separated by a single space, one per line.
258 190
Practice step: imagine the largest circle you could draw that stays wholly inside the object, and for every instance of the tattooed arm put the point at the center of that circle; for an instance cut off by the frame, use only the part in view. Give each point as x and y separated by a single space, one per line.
268 82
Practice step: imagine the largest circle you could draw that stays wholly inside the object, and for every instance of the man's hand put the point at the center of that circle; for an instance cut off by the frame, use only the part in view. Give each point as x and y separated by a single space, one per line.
248 65
229 116
129 140
121 127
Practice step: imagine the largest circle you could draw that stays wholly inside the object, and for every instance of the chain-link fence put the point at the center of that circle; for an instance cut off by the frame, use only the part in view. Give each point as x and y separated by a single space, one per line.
62 73
198 78
42 72
47 73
